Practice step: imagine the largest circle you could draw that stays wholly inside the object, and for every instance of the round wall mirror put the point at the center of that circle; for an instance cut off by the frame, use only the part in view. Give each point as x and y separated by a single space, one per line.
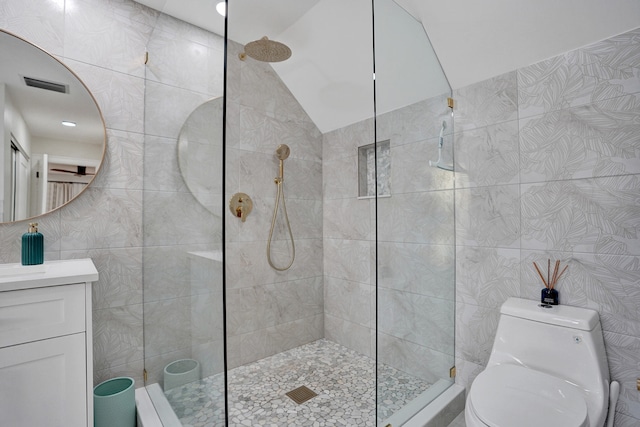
200 153
52 132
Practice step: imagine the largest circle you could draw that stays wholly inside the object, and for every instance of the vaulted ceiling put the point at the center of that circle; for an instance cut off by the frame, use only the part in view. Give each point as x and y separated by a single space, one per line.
473 40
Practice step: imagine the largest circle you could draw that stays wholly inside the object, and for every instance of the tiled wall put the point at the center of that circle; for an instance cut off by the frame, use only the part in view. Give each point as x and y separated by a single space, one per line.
182 290
547 161
348 229
104 43
415 243
269 311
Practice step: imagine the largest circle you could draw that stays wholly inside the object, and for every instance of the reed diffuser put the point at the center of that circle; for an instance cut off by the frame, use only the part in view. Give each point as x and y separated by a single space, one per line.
549 294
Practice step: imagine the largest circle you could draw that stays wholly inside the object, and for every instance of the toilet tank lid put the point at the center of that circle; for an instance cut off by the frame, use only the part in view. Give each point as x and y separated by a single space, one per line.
562 315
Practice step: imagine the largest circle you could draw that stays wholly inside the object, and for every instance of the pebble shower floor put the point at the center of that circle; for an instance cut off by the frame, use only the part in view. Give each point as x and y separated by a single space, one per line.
343 379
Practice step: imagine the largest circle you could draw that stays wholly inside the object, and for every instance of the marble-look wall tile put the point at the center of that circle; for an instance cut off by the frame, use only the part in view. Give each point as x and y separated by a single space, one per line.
424 269
167 326
351 335
425 217
120 275
592 215
166 272
177 218
577 203
466 372
246 263
344 142
271 311
607 283
303 179
122 163
263 91
622 354
162 171
622 420
603 70
120 96
96 34
117 336
349 301
346 219
211 357
593 140
167 118
340 177
172 46
487 277
411 358
39 22
475 331
488 216
415 122
262 133
207 323
422 320
486 103
411 171
133 370
487 156
259 344
102 218
11 237
134 11
347 259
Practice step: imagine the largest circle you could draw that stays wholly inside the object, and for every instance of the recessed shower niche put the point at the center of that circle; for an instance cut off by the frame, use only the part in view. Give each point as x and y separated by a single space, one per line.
368 155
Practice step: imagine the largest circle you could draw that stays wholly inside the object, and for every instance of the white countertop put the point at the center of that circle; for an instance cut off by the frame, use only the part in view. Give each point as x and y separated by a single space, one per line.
51 273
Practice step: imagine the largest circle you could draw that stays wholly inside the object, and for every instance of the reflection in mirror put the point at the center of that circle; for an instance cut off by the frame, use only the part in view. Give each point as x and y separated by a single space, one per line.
52 132
201 138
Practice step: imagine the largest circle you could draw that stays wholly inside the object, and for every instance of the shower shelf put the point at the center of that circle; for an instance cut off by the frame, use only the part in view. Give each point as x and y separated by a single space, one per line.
374 159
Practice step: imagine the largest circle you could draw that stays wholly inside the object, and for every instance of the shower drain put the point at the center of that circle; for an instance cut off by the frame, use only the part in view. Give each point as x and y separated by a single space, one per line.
301 394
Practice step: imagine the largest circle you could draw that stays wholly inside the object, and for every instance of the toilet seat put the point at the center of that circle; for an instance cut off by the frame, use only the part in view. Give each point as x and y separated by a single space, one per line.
511 395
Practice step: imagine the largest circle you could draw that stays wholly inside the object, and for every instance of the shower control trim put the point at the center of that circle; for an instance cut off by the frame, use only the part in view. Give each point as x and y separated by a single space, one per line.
241 205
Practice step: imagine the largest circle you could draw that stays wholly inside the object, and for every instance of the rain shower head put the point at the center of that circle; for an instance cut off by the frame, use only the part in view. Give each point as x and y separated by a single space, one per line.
283 151
266 50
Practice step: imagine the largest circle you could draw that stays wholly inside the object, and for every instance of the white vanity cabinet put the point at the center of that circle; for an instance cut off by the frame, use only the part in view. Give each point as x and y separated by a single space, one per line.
46 357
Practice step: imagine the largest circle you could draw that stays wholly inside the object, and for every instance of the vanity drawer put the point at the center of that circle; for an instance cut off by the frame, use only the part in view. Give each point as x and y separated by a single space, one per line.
35 314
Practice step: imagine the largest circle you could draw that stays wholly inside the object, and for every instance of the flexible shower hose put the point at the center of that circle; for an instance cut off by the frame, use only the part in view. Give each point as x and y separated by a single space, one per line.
273 224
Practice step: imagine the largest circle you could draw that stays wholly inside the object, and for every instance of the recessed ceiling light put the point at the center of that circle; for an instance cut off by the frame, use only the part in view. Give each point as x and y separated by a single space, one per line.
70 124
221 7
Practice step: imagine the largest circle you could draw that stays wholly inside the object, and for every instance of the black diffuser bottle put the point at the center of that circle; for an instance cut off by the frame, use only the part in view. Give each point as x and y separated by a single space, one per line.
549 296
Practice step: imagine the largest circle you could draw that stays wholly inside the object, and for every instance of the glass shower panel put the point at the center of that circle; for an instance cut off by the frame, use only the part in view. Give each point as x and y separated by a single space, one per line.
415 225
310 326
182 224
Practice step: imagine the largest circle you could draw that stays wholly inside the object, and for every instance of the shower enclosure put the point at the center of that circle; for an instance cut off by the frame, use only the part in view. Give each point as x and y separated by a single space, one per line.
360 328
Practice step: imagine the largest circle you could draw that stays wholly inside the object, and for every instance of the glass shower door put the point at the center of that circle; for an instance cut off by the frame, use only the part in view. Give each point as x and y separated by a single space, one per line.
415 263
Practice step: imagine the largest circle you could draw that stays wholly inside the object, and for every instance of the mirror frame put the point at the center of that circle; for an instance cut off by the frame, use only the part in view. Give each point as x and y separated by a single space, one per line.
98 168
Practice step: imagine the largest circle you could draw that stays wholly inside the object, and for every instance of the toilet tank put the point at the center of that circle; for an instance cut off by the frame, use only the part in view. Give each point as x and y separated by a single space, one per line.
560 340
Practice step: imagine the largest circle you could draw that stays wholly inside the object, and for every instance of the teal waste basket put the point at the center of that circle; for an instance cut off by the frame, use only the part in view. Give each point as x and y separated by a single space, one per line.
114 403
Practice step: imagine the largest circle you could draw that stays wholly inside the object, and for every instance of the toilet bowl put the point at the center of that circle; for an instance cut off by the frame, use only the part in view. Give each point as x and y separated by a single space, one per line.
547 368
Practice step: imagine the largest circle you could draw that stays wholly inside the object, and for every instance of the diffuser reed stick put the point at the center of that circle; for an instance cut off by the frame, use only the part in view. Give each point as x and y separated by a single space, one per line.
540 274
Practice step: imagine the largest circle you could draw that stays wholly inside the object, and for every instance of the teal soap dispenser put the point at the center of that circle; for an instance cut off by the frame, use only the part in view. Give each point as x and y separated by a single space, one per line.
32 246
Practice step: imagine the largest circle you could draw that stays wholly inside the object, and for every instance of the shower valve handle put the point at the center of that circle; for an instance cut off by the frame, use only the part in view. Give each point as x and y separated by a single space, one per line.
241 205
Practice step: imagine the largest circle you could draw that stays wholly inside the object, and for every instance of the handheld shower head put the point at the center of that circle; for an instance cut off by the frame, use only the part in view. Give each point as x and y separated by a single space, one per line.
283 151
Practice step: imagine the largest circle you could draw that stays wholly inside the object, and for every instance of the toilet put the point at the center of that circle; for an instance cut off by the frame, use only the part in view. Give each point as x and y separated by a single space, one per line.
548 368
